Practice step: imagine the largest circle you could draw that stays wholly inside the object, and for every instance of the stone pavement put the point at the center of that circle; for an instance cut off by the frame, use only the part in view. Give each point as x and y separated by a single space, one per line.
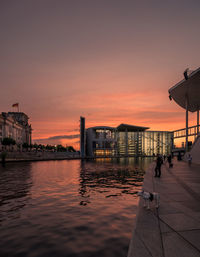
174 229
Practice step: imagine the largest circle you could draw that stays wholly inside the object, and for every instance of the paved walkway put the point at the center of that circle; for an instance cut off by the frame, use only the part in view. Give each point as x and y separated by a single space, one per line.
174 229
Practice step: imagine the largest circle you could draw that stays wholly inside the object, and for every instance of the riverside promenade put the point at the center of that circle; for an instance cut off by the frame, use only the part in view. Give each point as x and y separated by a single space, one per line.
174 229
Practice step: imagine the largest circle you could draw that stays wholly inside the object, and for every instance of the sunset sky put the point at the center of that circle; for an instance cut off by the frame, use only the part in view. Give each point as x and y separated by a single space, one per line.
110 61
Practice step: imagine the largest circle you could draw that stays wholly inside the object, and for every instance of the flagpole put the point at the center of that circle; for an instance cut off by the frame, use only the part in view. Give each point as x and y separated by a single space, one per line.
16 105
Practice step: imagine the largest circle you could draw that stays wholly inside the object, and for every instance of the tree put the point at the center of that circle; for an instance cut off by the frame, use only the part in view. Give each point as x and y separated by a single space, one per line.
35 146
42 147
50 147
71 149
25 145
8 141
61 148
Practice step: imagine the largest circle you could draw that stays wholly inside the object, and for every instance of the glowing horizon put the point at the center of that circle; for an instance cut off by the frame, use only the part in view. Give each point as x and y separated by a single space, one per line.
109 61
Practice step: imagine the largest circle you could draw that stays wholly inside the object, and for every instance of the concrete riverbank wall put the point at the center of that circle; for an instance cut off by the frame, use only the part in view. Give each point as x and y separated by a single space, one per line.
39 156
44 156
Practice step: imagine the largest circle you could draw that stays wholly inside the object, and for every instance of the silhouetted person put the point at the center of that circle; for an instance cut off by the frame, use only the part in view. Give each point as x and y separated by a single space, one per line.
179 158
189 159
169 159
3 158
159 162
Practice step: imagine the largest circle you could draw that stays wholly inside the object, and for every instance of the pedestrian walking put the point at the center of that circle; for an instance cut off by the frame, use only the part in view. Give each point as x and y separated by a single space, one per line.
189 159
159 162
169 159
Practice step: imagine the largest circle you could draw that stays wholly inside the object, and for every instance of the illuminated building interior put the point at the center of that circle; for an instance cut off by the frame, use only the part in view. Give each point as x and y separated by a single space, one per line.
127 140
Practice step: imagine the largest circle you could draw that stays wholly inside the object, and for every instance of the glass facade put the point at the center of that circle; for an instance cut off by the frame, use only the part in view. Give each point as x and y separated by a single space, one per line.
103 134
141 143
145 143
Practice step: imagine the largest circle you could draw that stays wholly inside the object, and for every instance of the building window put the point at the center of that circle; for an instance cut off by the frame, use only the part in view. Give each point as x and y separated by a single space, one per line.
102 152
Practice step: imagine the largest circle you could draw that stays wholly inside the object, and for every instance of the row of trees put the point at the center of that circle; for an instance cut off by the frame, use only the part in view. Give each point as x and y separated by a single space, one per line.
57 148
7 141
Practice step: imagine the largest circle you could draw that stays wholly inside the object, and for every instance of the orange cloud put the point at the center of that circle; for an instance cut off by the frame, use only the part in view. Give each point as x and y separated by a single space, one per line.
139 108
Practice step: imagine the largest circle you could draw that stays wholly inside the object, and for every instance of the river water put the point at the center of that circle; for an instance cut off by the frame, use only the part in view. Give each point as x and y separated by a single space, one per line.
69 208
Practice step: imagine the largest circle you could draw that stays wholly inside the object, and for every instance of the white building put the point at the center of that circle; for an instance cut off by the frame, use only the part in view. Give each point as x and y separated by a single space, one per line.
15 125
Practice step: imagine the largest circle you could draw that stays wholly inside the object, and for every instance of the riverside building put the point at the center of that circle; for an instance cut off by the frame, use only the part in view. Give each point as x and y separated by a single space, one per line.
15 125
127 140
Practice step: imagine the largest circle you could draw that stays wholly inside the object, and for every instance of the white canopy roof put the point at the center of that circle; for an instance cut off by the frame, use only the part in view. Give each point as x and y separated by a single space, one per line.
189 88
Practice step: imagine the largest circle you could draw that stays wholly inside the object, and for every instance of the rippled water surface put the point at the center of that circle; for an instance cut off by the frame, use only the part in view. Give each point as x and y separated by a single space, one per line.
69 208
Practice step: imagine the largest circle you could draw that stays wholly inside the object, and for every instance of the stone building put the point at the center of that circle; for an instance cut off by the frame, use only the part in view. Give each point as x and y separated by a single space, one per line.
15 125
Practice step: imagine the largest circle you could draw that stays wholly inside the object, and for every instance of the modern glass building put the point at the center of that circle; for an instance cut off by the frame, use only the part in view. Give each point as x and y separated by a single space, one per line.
127 140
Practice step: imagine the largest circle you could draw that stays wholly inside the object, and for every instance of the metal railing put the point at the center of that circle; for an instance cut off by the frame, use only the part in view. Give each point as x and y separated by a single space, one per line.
192 131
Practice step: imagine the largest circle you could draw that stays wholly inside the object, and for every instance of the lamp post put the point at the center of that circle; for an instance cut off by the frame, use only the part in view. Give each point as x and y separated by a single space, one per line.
197 122
185 73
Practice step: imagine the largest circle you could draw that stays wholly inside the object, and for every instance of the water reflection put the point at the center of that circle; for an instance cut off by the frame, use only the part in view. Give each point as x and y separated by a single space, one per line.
15 187
113 177
69 208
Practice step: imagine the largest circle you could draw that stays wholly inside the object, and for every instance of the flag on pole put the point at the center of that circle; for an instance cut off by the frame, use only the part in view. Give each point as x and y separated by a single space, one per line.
15 105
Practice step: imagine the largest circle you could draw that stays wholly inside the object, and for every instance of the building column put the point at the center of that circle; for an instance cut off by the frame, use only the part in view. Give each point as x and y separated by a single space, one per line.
186 125
197 122
30 139
82 137
153 144
116 142
172 142
126 142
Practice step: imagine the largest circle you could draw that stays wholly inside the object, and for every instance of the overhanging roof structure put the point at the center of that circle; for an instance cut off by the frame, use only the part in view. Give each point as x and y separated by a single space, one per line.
130 128
103 127
122 128
188 89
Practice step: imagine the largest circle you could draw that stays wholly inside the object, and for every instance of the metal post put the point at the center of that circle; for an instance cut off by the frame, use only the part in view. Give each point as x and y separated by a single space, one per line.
186 127
197 122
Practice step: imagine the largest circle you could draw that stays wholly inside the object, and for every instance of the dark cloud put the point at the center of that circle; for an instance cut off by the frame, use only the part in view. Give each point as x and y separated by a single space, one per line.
64 137
58 137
